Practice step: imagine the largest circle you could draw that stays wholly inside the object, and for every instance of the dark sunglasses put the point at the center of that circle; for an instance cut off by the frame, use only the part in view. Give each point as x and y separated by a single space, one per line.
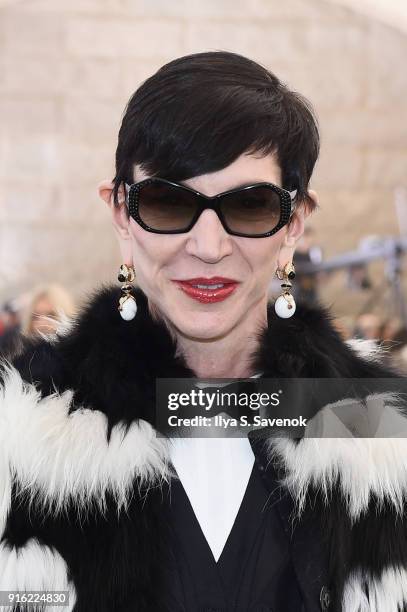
255 211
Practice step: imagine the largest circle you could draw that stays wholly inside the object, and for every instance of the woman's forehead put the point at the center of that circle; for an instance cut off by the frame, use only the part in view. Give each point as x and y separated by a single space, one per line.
245 170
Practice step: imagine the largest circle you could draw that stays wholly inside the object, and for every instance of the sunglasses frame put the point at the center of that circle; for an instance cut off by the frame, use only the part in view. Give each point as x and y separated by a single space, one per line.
287 205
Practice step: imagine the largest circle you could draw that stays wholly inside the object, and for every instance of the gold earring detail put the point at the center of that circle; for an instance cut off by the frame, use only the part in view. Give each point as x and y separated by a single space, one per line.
285 304
127 303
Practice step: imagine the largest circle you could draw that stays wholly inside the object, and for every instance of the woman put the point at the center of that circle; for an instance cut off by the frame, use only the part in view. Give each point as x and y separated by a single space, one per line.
47 307
42 311
94 502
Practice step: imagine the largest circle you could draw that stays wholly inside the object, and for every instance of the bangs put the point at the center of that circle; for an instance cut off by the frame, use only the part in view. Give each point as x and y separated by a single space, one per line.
199 113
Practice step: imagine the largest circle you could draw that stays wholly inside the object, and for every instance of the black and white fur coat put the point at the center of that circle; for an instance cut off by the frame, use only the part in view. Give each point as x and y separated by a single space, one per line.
81 467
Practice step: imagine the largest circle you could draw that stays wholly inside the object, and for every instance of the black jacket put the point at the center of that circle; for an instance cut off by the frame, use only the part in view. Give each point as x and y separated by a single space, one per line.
81 466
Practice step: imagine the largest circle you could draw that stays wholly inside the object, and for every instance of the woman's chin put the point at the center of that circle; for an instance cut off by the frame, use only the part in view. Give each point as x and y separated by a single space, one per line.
203 326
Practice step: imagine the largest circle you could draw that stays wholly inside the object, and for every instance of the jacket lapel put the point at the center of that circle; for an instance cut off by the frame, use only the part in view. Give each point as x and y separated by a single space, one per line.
305 538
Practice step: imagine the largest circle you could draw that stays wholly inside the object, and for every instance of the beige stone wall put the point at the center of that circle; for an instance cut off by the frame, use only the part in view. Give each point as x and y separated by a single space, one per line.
67 70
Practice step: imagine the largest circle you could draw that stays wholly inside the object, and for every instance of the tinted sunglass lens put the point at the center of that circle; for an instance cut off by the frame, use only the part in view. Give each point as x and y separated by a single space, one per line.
252 211
165 207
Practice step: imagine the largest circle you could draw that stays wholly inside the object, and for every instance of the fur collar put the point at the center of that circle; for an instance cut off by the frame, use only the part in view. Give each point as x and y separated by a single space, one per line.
76 434
87 397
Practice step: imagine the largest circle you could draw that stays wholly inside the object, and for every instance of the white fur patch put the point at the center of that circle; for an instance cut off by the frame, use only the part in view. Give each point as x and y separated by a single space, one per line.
361 466
368 349
5 480
58 457
35 567
375 463
385 594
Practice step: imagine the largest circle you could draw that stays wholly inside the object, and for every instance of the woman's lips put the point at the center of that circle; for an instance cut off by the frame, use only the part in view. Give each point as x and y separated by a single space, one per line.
207 295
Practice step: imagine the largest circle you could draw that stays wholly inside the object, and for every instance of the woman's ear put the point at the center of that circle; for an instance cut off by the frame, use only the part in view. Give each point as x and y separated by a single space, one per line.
105 191
294 231
314 197
295 228
120 217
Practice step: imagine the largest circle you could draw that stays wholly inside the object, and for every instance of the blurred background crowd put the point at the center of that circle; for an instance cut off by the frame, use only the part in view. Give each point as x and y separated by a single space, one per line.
68 70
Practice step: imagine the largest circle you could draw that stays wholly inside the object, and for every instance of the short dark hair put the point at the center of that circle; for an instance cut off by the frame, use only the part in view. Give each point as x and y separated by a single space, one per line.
199 112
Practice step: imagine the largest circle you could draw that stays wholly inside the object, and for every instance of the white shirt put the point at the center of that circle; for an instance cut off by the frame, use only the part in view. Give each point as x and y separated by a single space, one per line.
214 473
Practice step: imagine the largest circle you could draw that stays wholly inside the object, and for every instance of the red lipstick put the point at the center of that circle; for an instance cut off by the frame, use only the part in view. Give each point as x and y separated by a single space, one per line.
208 290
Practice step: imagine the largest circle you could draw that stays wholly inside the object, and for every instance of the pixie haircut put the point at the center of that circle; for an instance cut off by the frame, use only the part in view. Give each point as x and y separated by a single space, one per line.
199 112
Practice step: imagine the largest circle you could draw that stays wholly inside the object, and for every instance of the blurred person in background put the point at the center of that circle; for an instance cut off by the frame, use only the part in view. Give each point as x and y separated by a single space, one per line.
307 251
368 326
390 327
11 326
35 314
47 306
344 326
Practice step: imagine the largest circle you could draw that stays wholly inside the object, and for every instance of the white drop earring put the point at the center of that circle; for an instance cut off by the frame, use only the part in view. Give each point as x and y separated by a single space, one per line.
285 304
127 303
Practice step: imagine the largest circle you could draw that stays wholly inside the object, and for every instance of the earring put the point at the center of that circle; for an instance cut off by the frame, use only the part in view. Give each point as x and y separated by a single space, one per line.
127 303
285 304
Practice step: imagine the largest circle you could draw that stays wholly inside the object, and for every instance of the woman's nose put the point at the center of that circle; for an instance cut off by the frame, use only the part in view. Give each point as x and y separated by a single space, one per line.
208 239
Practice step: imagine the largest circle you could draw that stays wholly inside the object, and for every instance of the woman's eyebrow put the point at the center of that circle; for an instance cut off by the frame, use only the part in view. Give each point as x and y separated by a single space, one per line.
245 184
232 188
248 183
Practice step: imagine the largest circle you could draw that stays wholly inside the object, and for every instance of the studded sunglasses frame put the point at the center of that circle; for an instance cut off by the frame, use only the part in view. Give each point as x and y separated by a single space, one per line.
287 205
